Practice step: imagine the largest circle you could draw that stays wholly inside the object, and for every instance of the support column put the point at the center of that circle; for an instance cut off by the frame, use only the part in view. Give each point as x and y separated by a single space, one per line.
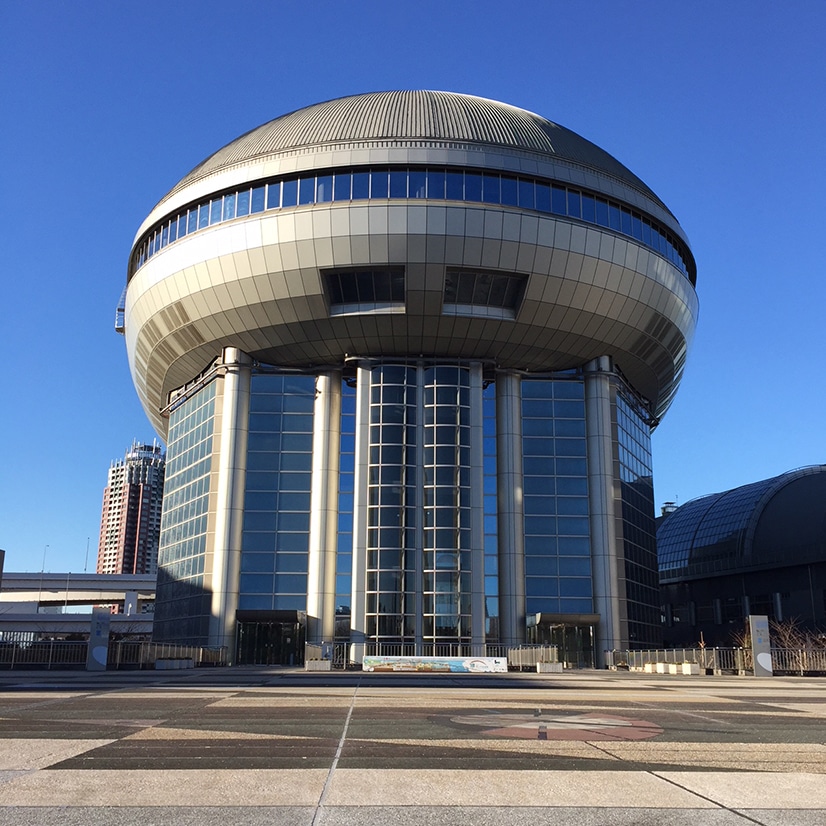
321 579
510 509
358 602
608 593
232 466
477 524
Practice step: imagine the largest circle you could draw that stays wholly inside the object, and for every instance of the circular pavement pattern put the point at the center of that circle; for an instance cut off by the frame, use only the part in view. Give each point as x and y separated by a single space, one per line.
539 726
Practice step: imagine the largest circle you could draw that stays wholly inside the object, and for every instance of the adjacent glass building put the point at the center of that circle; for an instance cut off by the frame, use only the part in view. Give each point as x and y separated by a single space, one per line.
756 549
407 350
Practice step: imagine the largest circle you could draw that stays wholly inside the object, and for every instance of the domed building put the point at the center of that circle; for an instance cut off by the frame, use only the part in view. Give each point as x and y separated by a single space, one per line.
406 350
756 549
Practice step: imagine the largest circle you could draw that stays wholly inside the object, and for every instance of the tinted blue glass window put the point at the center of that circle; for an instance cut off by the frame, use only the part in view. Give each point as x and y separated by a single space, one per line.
614 220
182 225
543 197
508 189
296 542
574 566
455 186
257 563
589 209
526 196
292 563
215 211
243 203
203 216
306 191
324 188
541 565
380 184
417 184
361 185
491 193
625 221
257 204
256 583
473 186
274 196
571 486
291 584
289 193
538 427
259 520
574 207
254 541
559 205
636 227
646 233
541 586
229 207
574 587
602 212
165 236
341 186
572 525
398 183
435 184
574 545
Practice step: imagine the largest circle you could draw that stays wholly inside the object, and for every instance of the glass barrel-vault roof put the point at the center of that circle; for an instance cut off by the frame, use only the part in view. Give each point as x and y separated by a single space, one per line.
714 532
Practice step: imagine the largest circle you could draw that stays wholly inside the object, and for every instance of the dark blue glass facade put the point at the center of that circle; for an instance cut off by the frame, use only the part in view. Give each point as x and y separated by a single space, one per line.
557 530
420 506
183 604
274 557
638 529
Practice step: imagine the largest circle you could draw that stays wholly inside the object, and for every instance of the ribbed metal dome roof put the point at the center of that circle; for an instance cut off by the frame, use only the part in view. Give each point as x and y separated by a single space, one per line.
414 115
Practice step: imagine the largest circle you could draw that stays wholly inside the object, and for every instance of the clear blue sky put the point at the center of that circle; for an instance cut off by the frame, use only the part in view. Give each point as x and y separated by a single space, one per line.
719 107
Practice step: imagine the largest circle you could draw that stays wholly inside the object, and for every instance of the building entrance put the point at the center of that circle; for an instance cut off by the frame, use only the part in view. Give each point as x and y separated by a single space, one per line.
270 641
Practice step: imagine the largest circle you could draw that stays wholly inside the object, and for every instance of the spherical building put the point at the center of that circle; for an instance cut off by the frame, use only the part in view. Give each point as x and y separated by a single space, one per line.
407 349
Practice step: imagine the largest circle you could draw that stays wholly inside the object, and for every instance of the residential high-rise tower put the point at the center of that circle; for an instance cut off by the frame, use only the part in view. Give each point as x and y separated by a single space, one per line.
130 521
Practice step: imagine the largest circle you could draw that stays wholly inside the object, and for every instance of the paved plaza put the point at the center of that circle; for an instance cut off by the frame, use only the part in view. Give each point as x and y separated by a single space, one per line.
276 746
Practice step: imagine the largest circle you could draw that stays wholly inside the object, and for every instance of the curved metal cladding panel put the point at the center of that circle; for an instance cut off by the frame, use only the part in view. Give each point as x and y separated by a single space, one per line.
257 282
777 521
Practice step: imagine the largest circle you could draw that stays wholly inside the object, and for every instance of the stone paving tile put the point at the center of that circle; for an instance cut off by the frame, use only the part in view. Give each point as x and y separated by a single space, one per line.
245 787
507 788
155 816
20 754
740 790
205 754
785 817
535 816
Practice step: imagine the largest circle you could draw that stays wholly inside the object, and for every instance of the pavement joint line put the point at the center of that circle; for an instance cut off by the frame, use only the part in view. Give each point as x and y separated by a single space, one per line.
705 797
329 779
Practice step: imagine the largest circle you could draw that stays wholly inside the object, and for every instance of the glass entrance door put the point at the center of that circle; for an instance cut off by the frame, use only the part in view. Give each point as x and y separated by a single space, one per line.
270 643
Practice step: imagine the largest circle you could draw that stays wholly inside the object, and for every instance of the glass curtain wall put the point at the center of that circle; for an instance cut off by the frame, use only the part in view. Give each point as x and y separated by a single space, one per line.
274 555
392 498
183 604
447 559
419 497
638 527
557 531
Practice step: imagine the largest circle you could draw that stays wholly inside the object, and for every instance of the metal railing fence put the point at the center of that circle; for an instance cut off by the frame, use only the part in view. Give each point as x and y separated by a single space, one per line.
723 660
55 654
